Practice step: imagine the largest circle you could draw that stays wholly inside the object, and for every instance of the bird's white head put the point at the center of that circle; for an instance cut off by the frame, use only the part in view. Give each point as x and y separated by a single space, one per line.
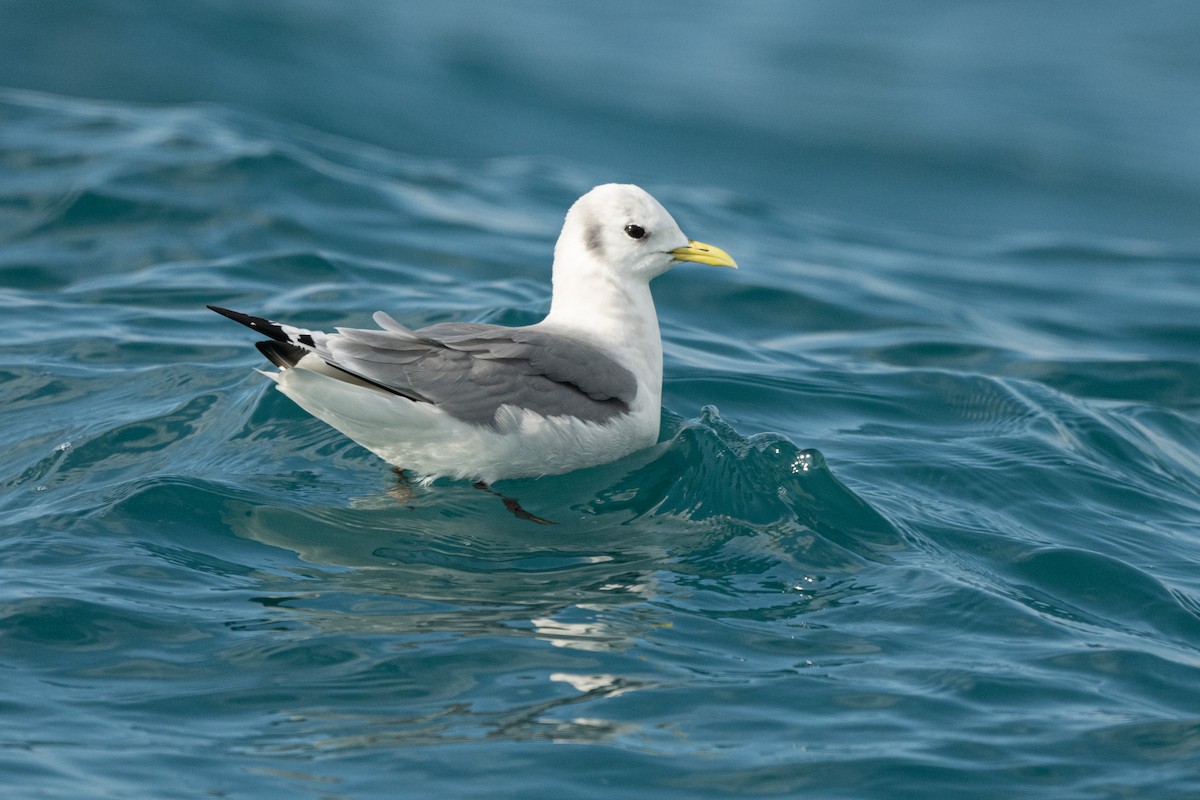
622 230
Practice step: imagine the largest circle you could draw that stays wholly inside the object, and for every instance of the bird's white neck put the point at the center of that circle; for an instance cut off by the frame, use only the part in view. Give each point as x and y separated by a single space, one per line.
611 312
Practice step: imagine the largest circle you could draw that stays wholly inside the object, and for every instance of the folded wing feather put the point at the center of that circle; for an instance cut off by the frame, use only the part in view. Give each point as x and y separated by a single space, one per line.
471 369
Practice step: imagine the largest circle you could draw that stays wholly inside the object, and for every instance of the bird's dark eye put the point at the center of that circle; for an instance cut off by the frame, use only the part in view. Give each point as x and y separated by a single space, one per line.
635 231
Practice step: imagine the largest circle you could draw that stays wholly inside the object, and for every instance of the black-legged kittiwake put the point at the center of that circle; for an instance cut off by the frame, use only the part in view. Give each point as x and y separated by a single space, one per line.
488 402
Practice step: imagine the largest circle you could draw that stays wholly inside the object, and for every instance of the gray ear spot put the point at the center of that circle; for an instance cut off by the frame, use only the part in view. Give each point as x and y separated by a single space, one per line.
593 238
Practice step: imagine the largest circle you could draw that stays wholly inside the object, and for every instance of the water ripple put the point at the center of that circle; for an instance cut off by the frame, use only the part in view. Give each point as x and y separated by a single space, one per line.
941 533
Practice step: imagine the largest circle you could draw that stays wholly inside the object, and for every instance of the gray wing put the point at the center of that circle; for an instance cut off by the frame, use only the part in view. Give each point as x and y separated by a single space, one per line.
471 369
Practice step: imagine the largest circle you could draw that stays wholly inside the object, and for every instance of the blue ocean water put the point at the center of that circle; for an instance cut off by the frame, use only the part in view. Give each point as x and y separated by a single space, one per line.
925 515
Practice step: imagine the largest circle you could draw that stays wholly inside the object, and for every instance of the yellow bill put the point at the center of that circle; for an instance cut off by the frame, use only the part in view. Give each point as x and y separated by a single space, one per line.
703 253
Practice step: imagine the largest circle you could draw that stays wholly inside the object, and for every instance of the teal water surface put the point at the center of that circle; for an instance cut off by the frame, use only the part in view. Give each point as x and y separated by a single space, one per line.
924 518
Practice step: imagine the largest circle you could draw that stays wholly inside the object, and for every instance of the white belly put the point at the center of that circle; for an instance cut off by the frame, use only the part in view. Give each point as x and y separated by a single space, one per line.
425 440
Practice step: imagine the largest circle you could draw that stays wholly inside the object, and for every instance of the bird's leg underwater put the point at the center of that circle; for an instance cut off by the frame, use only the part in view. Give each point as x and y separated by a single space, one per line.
513 506
403 490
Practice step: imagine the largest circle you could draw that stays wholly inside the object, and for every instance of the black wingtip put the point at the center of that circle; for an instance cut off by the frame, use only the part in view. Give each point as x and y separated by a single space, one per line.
263 326
237 316
281 354
291 336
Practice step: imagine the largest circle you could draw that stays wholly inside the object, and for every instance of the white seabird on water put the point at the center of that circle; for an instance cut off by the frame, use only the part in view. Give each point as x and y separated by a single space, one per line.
488 402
